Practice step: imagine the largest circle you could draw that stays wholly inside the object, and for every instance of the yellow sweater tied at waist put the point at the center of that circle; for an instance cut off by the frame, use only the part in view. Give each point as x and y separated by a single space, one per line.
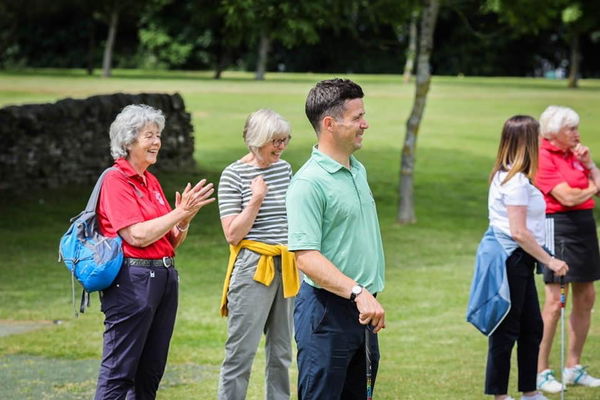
265 270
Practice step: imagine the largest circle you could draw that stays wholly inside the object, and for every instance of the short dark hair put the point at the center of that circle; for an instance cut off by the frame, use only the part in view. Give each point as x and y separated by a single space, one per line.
328 97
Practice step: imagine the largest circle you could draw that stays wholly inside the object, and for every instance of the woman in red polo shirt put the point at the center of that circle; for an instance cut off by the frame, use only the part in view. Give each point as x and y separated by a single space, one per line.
141 304
569 179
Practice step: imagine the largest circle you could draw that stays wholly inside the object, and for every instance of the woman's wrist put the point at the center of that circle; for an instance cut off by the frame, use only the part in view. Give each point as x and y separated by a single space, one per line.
591 165
182 228
256 200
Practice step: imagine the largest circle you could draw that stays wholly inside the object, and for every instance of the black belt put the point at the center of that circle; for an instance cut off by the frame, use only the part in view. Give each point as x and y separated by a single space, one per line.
166 262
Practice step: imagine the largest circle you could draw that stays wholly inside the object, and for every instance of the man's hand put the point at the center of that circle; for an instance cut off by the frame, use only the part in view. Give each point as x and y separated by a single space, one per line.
371 312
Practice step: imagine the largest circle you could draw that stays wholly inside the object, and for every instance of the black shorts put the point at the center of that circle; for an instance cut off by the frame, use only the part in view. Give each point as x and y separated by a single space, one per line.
572 237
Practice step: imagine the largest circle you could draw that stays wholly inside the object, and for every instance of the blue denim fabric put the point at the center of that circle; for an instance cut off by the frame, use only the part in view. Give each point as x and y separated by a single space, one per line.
331 347
489 300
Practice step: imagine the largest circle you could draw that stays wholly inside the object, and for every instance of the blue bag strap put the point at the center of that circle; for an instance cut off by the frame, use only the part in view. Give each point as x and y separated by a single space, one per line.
93 201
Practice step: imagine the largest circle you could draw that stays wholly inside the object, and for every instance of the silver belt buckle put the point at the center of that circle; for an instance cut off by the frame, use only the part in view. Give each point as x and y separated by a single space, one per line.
167 262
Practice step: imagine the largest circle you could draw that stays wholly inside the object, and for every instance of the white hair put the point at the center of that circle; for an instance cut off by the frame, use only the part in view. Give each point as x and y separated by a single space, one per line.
261 126
124 129
554 118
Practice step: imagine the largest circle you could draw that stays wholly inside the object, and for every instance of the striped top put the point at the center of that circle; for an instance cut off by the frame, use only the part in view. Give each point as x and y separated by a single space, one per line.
270 225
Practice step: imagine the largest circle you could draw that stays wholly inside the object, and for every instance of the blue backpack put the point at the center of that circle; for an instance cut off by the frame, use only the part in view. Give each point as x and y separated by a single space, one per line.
93 259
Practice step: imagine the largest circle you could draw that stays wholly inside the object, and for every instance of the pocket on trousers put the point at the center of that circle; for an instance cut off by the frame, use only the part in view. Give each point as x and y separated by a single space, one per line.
319 314
520 263
108 299
245 265
110 296
129 291
515 257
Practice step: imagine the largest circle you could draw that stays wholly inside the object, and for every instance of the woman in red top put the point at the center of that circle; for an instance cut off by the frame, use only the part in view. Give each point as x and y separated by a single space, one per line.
569 179
141 304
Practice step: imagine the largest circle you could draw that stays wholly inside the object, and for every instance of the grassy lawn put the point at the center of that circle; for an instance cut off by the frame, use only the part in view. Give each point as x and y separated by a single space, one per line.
428 350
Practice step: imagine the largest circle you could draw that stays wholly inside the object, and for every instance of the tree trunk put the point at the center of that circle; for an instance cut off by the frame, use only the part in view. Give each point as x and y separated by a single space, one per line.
91 48
263 53
110 43
222 60
406 208
575 60
412 47
218 71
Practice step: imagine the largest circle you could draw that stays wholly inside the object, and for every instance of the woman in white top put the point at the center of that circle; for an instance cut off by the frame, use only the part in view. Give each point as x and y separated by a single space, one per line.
517 213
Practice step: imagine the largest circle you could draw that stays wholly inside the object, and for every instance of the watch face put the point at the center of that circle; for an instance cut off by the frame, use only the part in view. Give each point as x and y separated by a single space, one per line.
356 289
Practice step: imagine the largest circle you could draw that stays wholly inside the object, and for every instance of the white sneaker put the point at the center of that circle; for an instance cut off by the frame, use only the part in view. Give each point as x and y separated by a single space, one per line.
537 396
579 376
547 382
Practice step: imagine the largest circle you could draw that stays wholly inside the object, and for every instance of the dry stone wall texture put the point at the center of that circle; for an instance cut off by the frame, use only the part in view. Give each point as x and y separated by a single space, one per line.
67 142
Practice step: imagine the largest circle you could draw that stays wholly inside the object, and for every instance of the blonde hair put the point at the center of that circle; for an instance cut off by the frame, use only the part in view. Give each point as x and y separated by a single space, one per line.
554 118
518 149
262 126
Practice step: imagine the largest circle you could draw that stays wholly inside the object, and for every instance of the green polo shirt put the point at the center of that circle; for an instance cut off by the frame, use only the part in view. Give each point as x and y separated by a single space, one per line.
331 209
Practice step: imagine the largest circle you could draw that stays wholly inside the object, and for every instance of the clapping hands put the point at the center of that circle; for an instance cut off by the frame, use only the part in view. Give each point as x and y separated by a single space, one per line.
192 199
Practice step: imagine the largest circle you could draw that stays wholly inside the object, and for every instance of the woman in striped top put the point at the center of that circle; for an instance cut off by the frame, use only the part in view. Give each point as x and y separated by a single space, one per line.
261 277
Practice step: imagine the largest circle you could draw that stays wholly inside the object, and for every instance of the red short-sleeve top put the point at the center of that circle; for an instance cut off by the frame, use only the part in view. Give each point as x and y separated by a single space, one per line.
126 199
556 166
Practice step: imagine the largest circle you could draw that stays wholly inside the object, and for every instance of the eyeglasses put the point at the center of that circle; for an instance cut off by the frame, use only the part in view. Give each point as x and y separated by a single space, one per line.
279 142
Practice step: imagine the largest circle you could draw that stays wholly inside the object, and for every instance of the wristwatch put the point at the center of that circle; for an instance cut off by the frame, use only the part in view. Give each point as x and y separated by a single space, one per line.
356 290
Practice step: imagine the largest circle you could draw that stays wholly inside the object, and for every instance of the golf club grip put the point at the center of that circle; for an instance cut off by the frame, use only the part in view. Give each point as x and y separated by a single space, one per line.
369 365
563 299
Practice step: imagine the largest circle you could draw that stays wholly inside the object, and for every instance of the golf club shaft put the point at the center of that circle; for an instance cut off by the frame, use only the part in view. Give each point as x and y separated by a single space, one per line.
563 302
562 336
369 366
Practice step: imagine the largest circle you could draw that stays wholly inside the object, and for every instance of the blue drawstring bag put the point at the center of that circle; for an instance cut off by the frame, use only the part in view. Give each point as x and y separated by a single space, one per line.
93 259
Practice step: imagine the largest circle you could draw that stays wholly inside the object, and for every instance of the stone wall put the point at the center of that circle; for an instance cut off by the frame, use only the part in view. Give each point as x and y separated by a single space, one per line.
50 145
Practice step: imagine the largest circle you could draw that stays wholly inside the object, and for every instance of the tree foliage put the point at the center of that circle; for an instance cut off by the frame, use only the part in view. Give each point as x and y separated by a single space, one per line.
526 15
263 22
494 37
575 18
289 22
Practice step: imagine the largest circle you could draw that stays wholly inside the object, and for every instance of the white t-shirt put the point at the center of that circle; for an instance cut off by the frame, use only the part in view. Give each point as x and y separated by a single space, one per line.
518 191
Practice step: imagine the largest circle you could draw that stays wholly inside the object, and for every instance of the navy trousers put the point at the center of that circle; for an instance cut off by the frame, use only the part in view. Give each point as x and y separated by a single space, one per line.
331 347
522 325
139 309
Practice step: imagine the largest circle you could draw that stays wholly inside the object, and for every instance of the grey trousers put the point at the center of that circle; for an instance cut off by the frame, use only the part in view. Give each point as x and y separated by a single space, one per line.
253 309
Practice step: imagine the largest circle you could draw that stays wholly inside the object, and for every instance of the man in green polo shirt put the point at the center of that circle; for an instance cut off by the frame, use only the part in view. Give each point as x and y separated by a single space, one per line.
334 230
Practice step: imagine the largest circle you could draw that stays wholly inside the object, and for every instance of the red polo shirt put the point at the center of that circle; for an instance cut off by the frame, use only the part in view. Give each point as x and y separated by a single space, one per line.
556 166
126 200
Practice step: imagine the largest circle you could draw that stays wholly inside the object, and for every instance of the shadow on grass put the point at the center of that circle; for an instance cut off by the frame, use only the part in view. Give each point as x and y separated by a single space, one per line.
30 377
